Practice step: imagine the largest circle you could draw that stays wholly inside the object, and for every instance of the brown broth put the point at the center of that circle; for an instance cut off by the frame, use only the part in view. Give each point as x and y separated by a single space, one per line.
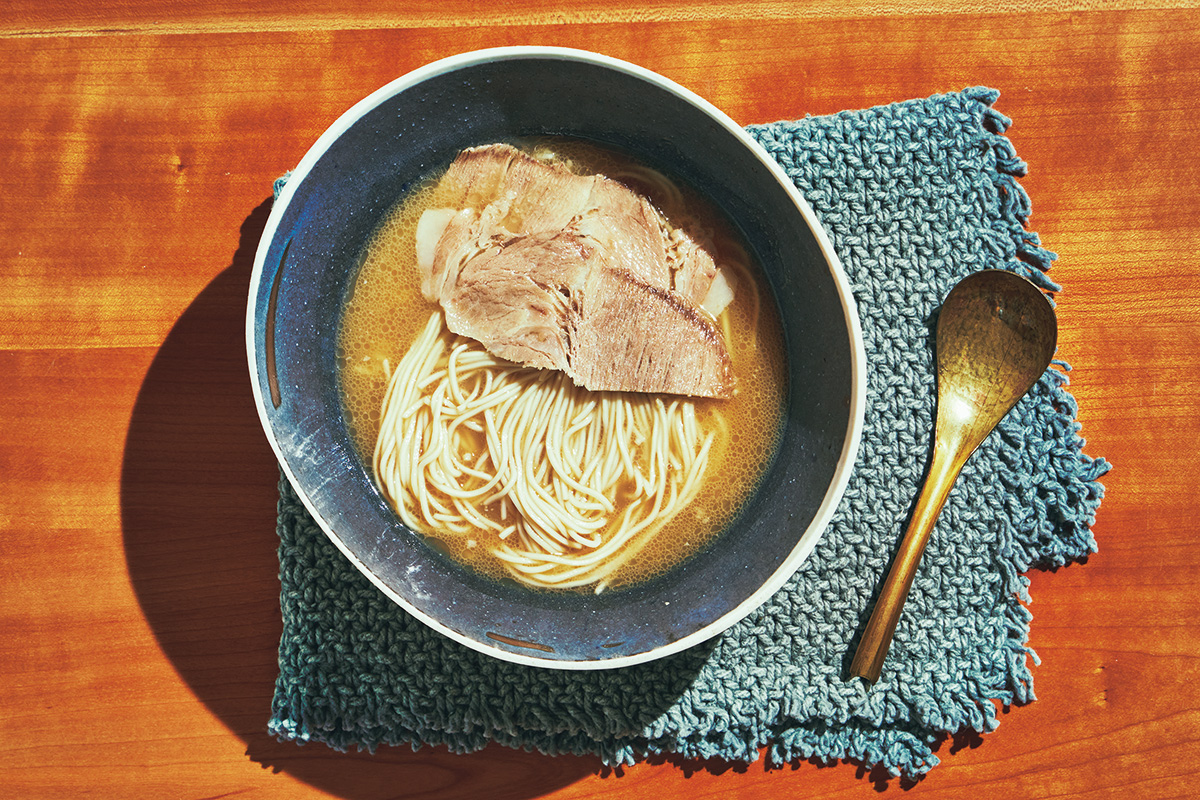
386 311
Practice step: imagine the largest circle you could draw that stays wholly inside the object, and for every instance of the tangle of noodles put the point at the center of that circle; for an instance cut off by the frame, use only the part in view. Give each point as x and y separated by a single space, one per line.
565 485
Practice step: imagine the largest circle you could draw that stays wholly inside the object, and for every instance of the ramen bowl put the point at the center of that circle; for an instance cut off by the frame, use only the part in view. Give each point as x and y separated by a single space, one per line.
314 241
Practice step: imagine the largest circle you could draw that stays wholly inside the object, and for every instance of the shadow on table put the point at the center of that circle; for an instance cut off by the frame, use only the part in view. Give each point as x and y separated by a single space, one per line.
198 494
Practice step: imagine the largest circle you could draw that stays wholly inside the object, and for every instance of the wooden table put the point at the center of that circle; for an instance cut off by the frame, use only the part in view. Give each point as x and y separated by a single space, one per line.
138 589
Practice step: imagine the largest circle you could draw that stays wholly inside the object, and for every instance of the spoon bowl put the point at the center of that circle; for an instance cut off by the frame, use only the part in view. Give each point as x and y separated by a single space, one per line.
996 335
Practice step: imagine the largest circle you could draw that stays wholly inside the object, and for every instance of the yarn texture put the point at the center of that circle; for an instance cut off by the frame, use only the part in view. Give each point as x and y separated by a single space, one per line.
914 196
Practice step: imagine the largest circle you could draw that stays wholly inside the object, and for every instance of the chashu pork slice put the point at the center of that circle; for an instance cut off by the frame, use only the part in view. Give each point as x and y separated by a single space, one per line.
497 191
554 301
577 273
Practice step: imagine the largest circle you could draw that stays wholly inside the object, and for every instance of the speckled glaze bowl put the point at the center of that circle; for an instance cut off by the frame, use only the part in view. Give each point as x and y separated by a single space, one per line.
306 263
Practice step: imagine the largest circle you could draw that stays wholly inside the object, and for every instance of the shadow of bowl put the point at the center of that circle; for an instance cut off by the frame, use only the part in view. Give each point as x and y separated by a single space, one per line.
198 496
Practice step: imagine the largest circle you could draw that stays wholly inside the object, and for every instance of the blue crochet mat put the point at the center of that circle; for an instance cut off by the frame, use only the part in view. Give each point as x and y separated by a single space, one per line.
914 196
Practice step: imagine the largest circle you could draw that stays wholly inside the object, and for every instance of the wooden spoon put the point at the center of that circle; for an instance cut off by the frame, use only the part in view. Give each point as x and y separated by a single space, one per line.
996 334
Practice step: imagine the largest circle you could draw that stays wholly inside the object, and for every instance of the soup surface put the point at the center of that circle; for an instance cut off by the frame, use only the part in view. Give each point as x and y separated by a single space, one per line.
386 311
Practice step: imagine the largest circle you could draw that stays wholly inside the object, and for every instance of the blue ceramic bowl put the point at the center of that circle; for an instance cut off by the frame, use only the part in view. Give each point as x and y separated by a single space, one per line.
305 265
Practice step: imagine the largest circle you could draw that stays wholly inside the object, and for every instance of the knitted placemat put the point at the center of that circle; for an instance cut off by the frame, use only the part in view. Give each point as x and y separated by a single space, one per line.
914 196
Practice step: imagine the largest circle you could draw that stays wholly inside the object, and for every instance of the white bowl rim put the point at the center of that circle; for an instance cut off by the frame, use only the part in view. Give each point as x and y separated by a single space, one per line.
841 476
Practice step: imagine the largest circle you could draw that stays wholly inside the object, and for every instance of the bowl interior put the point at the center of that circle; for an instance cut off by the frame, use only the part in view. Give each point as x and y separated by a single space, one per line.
309 256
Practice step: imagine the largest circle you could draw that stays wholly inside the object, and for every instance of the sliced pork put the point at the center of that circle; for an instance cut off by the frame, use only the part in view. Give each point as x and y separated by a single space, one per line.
577 273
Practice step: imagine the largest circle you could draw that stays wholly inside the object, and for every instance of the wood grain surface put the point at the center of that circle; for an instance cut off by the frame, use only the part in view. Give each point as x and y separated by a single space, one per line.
138 593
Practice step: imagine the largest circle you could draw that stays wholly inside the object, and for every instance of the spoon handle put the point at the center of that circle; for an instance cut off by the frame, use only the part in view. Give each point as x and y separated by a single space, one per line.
877 637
